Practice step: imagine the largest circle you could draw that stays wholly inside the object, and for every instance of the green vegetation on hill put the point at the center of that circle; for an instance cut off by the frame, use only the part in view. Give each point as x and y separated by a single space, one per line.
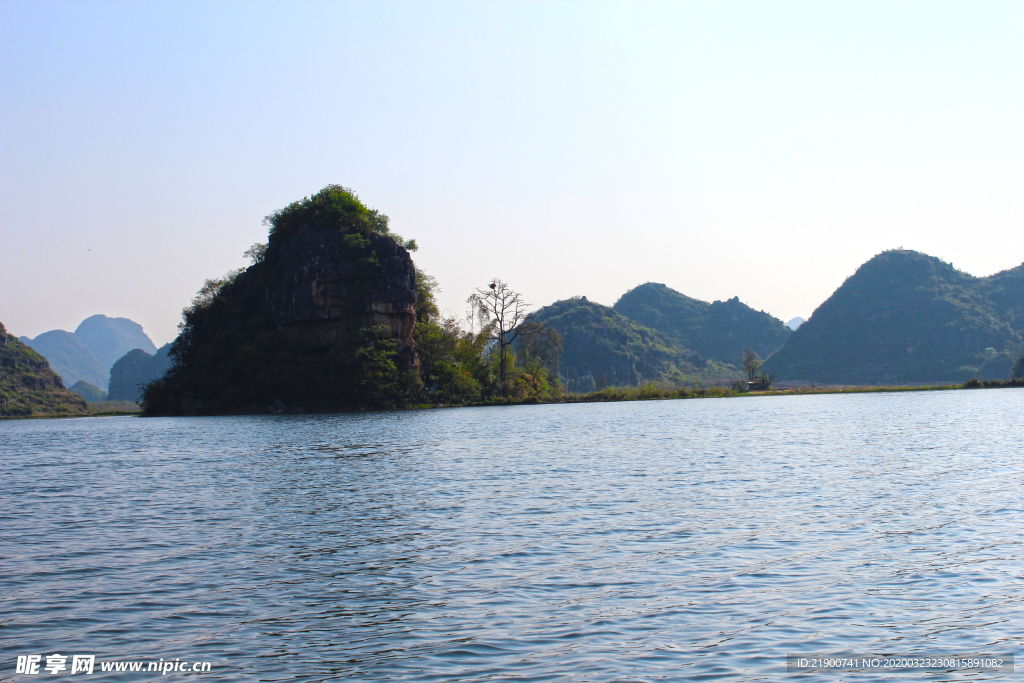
335 207
459 366
721 330
906 318
136 369
90 392
601 348
27 384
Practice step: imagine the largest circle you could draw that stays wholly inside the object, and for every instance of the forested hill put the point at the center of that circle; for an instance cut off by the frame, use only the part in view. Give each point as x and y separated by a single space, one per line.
905 317
722 330
601 347
28 386
136 369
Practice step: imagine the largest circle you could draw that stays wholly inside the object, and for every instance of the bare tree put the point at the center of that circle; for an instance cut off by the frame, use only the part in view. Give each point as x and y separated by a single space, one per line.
506 310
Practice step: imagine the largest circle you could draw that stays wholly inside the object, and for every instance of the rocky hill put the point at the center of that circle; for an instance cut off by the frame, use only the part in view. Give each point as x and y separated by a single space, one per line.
906 318
28 386
135 370
322 320
90 392
721 330
70 357
90 352
111 338
602 347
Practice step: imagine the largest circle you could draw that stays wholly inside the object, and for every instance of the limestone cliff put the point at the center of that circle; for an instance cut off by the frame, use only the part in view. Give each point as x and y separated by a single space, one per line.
321 290
322 320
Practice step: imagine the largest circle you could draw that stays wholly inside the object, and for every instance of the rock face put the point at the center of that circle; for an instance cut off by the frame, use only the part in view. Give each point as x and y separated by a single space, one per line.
324 321
322 291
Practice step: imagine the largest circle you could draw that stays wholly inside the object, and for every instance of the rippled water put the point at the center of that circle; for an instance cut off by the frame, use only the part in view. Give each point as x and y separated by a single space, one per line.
670 540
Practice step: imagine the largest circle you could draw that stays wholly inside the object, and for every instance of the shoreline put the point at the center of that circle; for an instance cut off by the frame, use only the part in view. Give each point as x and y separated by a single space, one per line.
64 416
652 393
648 392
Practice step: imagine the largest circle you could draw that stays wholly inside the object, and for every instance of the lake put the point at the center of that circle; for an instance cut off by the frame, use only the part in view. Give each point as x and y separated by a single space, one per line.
663 540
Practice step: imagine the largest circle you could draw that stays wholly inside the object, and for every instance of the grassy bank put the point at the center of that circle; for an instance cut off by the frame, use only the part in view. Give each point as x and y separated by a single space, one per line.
653 392
114 408
645 392
94 409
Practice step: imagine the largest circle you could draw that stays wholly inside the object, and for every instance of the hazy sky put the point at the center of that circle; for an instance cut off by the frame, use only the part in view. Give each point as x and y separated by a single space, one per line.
760 149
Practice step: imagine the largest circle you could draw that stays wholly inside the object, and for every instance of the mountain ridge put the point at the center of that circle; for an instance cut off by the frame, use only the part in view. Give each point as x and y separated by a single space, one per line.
720 330
602 346
69 357
91 350
907 317
110 338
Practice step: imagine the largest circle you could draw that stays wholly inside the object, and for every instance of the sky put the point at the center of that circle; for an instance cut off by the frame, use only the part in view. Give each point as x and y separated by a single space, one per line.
754 149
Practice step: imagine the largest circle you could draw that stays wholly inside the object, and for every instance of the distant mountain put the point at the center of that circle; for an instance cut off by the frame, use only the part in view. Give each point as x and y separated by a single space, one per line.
795 323
600 346
90 392
69 357
904 318
89 353
721 330
135 370
111 338
27 384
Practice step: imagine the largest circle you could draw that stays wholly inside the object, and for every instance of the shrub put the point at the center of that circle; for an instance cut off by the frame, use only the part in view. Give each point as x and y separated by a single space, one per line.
1018 368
